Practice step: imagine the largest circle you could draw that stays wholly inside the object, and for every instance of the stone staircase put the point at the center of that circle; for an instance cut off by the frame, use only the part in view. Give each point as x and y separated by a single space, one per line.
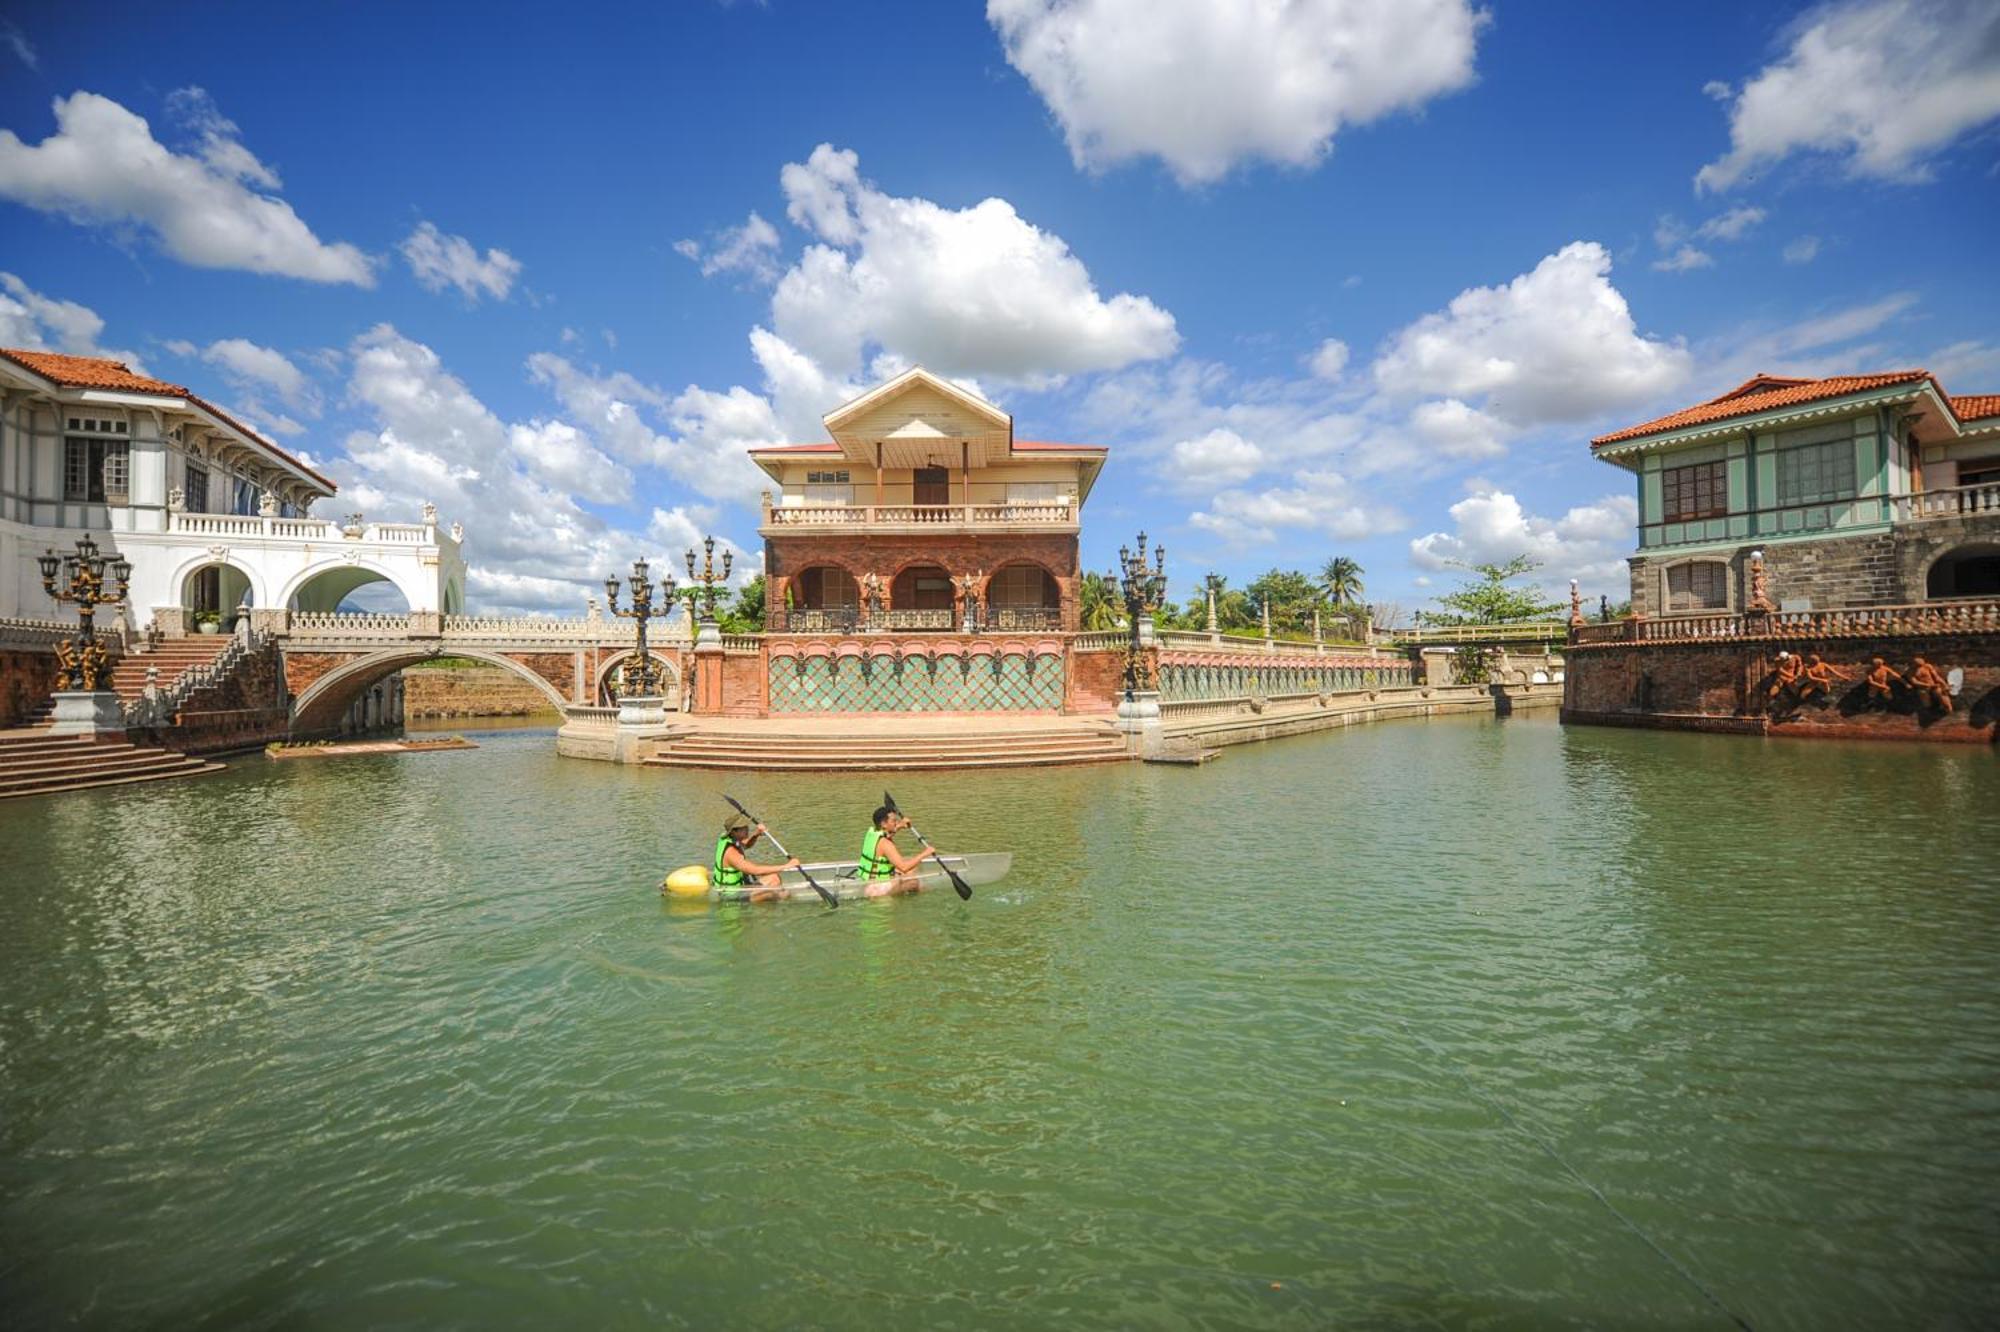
775 745
174 657
34 762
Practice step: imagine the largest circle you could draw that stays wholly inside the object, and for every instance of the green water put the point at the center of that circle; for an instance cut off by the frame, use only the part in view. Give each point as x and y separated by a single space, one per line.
413 1041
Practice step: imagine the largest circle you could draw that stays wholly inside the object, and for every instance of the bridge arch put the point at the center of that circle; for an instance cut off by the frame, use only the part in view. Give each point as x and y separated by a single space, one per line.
319 707
614 662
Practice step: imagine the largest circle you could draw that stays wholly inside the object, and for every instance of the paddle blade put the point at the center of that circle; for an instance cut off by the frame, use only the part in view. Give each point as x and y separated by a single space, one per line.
890 801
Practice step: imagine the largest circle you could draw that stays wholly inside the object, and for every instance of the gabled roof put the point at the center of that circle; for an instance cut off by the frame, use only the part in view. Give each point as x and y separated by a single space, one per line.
97 372
1764 393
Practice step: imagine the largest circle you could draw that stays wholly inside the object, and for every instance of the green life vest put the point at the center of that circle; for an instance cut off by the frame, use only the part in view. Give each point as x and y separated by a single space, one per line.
875 865
725 876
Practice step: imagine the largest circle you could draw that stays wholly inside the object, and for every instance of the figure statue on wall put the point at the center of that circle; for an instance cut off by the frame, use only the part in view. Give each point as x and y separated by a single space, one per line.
176 500
1931 687
267 505
872 595
1819 676
1882 679
1791 667
1760 590
430 514
966 588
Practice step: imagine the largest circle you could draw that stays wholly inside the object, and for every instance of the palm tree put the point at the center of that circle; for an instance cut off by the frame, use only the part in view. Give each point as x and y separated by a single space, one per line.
1342 580
1097 604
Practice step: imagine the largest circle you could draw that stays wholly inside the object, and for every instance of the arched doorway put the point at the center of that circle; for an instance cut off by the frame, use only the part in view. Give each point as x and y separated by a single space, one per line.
1967 571
215 595
1023 597
824 598
350 589
920 597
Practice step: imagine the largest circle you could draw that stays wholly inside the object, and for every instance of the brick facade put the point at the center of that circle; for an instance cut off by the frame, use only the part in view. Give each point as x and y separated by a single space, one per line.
1095 680
1726 687
886 556
27 677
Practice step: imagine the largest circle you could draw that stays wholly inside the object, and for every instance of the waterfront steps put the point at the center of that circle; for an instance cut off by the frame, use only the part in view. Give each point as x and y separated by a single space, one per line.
33 762
775 745
173 656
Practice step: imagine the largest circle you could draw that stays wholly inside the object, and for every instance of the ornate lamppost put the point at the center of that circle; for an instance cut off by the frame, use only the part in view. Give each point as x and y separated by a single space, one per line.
83 658
1143 588
705 585
641 677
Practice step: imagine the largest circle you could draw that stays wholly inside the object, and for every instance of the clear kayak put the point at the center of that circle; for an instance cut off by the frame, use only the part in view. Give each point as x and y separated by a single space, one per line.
842 878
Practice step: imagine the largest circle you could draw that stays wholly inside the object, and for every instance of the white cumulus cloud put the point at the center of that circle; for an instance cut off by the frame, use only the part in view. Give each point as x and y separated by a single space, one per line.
440 260
211 208
1883 85
1330 360
1556 344
1319 502
1204 85
36 322
750 249
1219 458
1490 526
967 291
250 366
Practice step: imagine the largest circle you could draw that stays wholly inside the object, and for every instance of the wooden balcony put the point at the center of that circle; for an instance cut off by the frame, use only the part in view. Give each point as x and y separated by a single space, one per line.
1058 516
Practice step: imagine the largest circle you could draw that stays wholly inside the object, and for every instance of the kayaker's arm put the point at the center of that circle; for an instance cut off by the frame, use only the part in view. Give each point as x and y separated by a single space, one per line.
735 859
888 849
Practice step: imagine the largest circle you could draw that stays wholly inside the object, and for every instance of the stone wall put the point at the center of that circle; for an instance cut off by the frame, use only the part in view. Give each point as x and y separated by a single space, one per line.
1727 686
473 691
1888 568
27 677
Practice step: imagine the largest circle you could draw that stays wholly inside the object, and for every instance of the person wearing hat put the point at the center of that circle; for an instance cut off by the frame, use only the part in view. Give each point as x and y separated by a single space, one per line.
732 869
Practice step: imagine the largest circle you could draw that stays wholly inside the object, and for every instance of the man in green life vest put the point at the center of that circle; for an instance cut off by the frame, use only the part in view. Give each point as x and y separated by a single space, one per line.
733 869
884 868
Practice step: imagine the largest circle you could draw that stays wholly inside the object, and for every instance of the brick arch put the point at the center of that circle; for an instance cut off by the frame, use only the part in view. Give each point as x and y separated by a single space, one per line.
324 691
1920 588
670 668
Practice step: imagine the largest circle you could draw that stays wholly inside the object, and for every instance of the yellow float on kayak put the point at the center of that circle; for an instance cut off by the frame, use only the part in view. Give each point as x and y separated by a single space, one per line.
687 881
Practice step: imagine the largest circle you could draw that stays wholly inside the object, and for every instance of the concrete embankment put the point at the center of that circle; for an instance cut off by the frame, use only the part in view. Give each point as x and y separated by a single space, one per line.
1237 722
469 691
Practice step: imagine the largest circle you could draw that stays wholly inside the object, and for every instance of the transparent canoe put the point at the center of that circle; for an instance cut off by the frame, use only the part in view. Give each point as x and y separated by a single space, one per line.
842 878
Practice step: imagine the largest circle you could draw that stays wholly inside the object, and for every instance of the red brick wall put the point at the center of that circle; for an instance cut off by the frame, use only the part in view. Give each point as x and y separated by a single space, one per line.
743 685
962 553
1728 685
1094 681
27 677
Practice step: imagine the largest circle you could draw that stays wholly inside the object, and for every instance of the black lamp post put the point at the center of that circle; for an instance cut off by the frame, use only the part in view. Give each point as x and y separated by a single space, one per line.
704 586
1143 588
82 583
641 676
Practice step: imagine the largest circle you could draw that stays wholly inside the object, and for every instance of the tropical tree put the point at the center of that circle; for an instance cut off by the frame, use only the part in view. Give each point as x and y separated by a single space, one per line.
1292 596
1340 577
746 616
1098 604
1488 597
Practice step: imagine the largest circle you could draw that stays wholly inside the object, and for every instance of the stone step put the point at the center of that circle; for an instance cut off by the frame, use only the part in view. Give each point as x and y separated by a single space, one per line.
930 744
824 741
192 768
775 763
40 774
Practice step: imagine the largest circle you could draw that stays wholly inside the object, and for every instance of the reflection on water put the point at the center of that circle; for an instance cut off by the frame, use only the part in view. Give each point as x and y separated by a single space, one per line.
412 1038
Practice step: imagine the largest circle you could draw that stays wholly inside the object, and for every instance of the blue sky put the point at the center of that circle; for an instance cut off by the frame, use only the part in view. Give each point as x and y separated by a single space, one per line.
1339 276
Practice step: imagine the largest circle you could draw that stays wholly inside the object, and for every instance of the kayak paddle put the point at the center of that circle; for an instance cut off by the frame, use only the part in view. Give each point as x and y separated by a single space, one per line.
964 888
831 900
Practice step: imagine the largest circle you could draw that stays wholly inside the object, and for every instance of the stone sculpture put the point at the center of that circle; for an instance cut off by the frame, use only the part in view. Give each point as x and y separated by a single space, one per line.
1790 668
1932 689
1819 677
1881 680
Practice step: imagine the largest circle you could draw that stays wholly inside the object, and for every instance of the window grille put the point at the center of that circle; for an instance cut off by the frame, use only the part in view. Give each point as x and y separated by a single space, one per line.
1814 473
194 493
1700 491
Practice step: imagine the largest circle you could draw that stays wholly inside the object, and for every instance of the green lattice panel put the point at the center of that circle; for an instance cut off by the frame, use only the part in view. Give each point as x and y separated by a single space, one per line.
917 684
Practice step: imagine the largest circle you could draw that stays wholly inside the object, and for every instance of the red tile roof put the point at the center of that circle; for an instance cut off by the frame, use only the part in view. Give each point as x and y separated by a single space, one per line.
1765 393
102 373
1976 406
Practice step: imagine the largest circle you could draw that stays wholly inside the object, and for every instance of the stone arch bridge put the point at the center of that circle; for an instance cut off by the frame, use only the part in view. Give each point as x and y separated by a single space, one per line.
331 659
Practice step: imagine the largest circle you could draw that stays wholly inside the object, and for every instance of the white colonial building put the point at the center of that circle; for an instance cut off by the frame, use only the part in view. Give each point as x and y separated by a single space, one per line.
214 518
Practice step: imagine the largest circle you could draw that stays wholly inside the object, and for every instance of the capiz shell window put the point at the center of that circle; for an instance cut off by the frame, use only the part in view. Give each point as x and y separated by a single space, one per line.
828 488
1699 491
1812 473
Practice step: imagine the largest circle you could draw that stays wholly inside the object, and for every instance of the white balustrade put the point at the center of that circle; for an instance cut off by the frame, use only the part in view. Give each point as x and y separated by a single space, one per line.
1954 502
1039 514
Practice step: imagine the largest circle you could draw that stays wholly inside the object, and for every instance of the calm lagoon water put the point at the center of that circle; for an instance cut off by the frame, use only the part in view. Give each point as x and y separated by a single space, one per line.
1367 1029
